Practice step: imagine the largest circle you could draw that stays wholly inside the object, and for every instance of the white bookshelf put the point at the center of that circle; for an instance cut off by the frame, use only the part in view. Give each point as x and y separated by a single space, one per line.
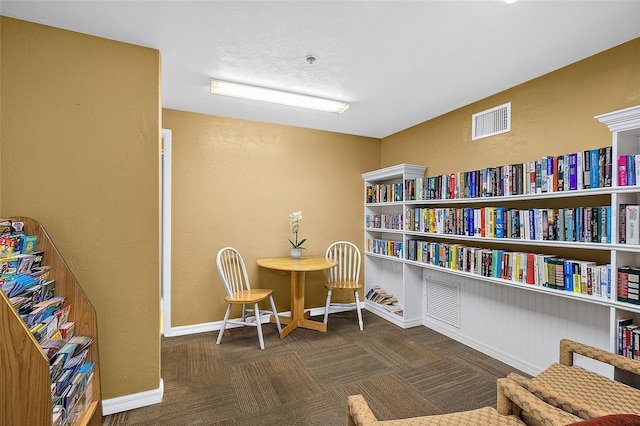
387 271
480 311
625 128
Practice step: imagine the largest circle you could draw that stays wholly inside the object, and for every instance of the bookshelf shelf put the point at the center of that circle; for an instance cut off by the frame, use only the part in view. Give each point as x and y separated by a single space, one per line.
523 197
406 278
382 312
515 241
528 287
24 367
385 230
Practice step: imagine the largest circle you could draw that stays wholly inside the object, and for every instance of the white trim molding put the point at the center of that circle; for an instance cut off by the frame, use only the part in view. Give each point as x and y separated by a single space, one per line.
133 401
216 325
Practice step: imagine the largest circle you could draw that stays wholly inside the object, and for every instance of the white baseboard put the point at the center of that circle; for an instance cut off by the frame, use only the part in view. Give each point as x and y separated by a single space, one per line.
208 326
213 326
130 402
479 346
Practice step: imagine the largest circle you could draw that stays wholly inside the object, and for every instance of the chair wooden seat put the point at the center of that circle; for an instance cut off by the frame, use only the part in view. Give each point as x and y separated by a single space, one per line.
581 392
249 296
344 276
343 285
233 273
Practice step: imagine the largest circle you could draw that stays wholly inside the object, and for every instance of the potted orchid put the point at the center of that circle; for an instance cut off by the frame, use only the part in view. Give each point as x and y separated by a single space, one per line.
294 224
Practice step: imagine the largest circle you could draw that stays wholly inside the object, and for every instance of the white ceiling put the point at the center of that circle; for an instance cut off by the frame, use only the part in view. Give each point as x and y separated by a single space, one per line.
398 63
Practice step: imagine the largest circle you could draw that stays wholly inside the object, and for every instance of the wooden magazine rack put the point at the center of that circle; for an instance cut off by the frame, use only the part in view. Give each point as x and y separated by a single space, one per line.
25 389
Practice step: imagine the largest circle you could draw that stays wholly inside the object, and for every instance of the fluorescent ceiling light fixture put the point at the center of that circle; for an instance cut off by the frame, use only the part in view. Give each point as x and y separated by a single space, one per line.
510 1
227 88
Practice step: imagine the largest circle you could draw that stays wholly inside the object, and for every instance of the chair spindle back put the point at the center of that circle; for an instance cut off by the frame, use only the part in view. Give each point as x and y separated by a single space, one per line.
232 270
348 256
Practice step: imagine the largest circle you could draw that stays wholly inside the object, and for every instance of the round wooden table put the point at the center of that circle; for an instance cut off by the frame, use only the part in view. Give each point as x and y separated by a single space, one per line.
298 268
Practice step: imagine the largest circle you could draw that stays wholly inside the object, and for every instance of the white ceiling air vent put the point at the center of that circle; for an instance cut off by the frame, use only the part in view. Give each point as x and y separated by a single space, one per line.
491 122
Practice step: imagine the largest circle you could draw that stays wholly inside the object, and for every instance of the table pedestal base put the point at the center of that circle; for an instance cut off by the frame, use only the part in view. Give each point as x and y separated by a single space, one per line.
298 318
304 323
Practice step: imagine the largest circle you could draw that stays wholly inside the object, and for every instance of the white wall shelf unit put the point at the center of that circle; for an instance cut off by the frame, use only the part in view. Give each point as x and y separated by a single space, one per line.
625 128
390 272
490 308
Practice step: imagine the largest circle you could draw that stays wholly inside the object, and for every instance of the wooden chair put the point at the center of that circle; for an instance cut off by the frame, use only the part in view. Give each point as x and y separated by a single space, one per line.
512 401
344 276
582 392
234 277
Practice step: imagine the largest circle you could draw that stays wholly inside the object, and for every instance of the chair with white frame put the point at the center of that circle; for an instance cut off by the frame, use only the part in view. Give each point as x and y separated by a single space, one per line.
344 276
233 273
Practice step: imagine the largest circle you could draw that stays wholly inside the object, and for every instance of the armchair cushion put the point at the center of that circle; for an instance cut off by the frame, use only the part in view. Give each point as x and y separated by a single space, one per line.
581 392
359 414
611 420
512 399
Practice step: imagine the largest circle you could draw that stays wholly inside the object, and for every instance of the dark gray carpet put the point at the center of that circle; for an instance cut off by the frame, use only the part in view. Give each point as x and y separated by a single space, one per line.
305 378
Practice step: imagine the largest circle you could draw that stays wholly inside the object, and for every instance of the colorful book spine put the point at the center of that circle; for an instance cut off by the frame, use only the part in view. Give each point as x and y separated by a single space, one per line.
499 222
622 170
586 169
595 168
608 167
631 170
573 170
632 213
568 275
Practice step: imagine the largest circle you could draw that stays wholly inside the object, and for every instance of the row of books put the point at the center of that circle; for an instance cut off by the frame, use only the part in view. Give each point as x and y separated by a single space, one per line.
31 292
384 247
578 276
628 170
384 192
568 172
628 338
543 270
388 301
383 221
629 224
584 224
628 284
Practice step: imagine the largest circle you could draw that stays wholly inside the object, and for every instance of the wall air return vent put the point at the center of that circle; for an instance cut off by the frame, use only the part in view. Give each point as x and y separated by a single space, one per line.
442 301
491 122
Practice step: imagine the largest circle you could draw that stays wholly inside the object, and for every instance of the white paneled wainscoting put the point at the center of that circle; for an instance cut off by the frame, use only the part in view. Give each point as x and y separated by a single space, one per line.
517 326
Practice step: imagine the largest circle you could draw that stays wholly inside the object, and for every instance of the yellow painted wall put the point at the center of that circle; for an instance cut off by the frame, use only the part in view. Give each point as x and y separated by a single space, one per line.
234 182
80 153
0 114
551 115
